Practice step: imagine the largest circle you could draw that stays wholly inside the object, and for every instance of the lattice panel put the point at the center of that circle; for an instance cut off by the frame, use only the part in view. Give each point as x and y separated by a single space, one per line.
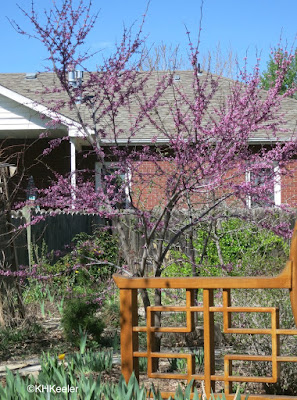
208 310
130 329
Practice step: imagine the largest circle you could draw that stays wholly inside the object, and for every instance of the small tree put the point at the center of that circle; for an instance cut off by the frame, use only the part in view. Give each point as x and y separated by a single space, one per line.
199 153
270 75
12 172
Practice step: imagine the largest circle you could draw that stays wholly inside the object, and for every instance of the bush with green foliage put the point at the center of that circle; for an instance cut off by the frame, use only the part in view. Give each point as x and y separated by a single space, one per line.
83 271
245 249
79 316
94 257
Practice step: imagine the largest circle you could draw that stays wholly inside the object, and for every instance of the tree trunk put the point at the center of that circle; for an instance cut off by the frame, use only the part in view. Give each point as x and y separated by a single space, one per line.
2 322
157 322
11 285
145 299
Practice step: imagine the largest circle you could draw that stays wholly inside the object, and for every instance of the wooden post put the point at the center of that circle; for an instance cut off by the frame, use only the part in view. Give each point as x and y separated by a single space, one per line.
227 325
293 258
26 213
129 339
275 344
209 354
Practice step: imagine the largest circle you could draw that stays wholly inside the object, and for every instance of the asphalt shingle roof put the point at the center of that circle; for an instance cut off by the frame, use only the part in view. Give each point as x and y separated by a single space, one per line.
34 89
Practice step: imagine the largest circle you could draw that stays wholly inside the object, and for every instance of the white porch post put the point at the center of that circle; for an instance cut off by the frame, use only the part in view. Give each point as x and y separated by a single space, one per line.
73 165
277 186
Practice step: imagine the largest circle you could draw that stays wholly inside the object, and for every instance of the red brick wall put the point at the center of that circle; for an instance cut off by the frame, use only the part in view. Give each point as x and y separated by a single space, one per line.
148 185
151 194
289 186
149 189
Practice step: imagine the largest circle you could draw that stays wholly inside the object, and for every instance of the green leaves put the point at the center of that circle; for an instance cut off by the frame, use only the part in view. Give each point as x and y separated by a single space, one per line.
130 391
79 316
234 247
76 373
91 361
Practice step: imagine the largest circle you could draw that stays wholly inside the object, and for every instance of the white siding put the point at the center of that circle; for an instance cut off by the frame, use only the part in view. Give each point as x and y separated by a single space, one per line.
14 116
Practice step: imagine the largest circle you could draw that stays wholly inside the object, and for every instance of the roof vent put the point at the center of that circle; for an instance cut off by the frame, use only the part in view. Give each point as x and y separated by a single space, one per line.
75 78
199 71
176 78
31 75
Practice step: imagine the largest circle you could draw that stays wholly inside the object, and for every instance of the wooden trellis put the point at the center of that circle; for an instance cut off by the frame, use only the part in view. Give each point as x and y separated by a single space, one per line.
130 329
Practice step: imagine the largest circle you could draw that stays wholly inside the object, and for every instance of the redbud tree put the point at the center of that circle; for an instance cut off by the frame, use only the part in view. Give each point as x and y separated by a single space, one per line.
269 76
200 128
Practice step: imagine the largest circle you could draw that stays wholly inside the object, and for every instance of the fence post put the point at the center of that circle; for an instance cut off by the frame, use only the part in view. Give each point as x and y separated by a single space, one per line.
293 258
26 213
209 354
129 339
226 326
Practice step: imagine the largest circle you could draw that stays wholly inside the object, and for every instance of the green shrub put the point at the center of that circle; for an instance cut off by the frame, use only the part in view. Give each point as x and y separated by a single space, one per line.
101 246
85 270
110 310
79 316
244 248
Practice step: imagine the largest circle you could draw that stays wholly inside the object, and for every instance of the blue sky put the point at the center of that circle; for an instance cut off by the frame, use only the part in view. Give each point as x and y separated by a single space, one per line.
243 26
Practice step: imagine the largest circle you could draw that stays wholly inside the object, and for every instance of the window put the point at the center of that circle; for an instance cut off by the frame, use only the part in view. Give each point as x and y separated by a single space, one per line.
120 180
259 180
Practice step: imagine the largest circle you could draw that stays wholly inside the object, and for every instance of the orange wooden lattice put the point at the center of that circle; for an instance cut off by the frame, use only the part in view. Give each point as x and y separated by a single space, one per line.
130 329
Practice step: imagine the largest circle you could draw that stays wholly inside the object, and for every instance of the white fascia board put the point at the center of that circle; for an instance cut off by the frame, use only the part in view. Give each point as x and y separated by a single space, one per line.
148 141
33 105
77 131
262 140
134 142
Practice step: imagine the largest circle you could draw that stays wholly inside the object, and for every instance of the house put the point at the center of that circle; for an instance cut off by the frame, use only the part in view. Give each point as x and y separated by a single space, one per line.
26 113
